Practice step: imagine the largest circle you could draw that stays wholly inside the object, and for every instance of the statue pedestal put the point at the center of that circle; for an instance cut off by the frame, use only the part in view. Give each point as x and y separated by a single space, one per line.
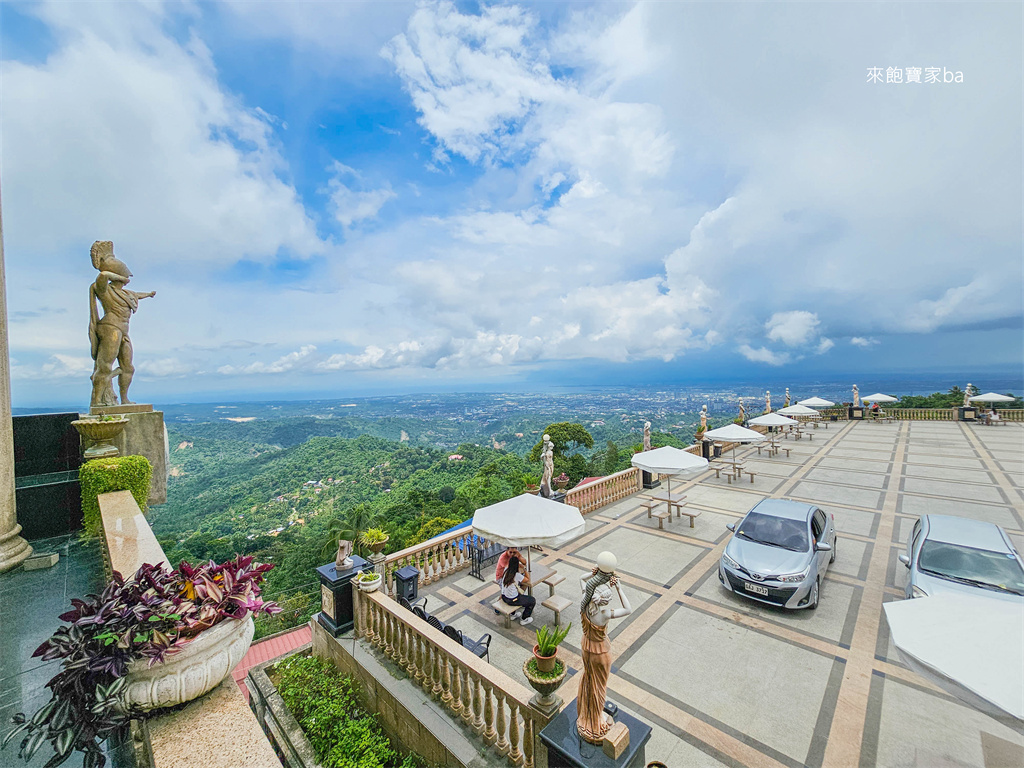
649 481
143 435
567 750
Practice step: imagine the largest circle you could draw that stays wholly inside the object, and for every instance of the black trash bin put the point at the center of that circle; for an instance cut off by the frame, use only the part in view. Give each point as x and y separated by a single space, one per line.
407 582
718 451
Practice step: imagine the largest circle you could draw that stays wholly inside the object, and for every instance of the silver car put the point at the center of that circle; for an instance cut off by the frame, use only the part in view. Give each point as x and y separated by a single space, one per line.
948 554
779 553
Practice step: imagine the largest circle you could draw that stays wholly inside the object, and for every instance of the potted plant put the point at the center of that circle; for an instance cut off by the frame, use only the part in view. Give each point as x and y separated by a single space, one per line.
368 581
119 647
545 683
375 539
547 646
561 481
532 484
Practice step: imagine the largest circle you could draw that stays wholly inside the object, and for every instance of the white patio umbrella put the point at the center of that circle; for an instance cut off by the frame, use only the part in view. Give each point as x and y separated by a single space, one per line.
816 402
773 420
669 461
527 520
799 410
878 397
734 433
992 397
971 647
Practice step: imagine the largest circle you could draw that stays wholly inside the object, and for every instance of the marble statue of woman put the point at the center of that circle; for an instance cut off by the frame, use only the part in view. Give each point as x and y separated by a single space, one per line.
743 412
595 612
967 395
856 397
647 435
704 418
787 398
547 457
768 401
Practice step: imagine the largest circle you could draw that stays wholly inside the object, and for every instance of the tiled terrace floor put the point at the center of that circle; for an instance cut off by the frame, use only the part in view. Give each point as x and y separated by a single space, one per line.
725 681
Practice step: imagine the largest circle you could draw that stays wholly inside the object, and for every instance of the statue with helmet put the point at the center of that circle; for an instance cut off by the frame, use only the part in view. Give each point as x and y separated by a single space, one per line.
108 335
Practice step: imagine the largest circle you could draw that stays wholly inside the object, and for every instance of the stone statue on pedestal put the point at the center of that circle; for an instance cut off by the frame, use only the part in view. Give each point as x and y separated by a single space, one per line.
743 412
108 335
547 457
595 613
704 418
768 401
647 435
787 398
967 395
343 560
856 397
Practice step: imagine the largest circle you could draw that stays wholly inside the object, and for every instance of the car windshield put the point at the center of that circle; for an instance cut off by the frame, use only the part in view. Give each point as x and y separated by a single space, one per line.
997 570
774 531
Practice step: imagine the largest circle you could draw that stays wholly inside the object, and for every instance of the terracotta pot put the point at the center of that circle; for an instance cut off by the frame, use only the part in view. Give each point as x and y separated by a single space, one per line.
198 667
544 663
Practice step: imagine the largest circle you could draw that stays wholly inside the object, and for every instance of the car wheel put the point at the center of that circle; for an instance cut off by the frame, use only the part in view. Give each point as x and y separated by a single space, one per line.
835 541
812 602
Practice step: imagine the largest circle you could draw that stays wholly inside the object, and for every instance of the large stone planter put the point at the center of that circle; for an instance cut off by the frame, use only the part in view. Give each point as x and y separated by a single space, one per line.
100 436
195 669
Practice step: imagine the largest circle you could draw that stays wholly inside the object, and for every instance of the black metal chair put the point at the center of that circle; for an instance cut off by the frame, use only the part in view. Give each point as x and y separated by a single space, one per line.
481 647
418 610
435 623
404 602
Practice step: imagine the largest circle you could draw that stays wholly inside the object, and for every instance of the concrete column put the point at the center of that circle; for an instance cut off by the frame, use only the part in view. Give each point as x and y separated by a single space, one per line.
13 548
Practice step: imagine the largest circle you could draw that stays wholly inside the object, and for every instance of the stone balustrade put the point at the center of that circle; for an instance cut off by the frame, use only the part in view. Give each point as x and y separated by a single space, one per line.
435 559
496 707
607 490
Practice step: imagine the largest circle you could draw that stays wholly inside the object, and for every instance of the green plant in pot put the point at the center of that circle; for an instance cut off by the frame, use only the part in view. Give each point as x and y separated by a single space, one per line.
368 581
546 680
152 616
546 648
374 539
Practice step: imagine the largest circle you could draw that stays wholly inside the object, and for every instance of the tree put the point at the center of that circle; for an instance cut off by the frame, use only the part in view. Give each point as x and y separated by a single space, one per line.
349 527
567 437
611 458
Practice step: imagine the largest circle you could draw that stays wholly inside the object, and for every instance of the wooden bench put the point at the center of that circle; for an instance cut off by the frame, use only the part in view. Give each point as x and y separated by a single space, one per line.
663 515
783 448
505 610
751 476
481 556
689 513
557 604
553 581
649 505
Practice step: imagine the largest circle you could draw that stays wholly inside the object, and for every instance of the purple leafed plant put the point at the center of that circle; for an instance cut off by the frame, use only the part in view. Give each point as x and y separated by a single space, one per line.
154 613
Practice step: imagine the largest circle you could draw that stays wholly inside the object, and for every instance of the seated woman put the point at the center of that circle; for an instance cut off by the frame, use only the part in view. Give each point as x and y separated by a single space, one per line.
514 578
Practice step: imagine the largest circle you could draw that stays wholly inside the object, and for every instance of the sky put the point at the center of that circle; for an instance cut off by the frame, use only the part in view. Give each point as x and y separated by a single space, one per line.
360 197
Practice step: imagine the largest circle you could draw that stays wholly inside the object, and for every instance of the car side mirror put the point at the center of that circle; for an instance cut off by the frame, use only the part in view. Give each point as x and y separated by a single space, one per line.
905 559
822 546
731 526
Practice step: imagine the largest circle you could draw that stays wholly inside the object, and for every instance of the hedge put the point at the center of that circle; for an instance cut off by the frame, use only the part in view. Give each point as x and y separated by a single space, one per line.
122 473
326 705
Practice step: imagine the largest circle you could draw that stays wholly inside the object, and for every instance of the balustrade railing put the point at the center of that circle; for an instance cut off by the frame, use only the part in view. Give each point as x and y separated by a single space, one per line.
600 493
435 558
491 703
922 414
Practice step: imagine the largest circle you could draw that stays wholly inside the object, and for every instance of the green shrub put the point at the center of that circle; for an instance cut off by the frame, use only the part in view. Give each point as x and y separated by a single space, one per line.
122 473
326 705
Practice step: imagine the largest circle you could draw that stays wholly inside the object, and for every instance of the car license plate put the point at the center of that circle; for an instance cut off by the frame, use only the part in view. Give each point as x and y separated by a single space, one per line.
757 589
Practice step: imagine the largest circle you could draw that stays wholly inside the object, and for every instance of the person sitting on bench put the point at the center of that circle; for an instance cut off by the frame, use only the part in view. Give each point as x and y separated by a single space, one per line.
510 594
508 554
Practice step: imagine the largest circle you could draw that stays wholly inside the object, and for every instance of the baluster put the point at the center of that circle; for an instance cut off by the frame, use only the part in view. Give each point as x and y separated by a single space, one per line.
489 733
478 705
456 689
371 621
392 649
528 742
435 675
446 680
404 637
513 733
501 743
423 671
467 696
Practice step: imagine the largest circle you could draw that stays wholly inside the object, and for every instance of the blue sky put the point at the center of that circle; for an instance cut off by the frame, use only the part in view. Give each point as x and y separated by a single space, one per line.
343 196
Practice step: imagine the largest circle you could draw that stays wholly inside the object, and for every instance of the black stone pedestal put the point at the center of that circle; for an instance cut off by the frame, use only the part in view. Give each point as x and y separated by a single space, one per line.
566 749
337 612
856 413
649 481
967 413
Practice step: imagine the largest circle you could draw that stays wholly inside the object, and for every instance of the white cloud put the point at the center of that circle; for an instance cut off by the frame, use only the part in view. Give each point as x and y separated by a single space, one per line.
284 364
63 366
763 355
350 205
794 329
863 342
824 345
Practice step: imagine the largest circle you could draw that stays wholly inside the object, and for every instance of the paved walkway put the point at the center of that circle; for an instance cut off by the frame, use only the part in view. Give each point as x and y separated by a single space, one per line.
726 681
270 648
